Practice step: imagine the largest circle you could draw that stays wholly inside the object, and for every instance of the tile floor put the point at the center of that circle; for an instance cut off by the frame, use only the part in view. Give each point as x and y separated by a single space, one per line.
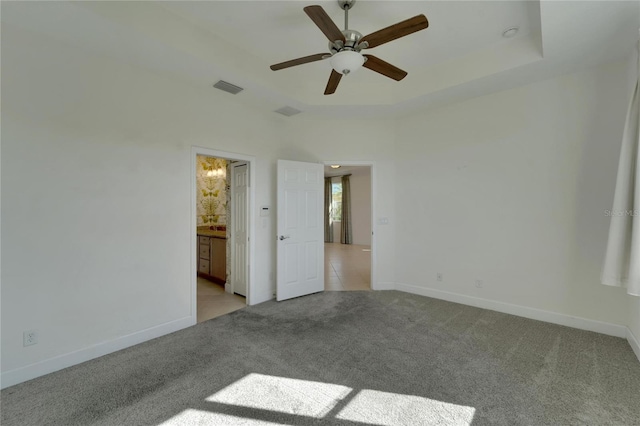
347 267
213 301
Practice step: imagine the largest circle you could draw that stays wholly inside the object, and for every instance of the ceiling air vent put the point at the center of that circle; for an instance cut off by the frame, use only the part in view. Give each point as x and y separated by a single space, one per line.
288 111
228 87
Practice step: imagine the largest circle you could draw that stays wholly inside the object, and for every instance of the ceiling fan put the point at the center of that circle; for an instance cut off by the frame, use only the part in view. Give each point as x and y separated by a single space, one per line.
345 46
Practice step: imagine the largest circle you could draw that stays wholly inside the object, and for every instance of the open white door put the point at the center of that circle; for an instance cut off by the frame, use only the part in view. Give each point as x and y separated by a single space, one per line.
240 227
300 229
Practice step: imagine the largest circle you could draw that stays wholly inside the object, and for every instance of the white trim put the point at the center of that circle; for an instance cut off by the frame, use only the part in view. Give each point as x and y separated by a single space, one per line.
386 285
197 150
634 342
372 166
518 310
28 372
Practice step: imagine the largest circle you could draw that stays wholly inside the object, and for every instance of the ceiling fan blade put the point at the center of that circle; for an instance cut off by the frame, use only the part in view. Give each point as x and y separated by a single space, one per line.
326 25
332 84
398 30
385 68
300 61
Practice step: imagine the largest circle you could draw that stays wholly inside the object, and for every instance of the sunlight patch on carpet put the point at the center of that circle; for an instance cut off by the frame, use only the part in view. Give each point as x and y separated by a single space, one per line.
201 417
392 409
282 395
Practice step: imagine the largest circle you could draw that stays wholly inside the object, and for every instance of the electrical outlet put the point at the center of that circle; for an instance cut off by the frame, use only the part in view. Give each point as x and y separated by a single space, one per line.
29 337
439 276
479 283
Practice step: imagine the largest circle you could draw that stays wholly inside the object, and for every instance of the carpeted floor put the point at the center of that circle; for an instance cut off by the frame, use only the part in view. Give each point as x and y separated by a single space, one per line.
343 358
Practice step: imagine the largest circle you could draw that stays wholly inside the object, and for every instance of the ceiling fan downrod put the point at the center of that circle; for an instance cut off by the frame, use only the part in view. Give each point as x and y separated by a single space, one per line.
346 5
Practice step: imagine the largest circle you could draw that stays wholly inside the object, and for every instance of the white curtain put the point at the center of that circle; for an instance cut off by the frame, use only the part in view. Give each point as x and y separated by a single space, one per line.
622 259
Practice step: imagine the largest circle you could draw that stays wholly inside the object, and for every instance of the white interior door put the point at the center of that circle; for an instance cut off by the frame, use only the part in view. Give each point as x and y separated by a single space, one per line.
300 229
239 224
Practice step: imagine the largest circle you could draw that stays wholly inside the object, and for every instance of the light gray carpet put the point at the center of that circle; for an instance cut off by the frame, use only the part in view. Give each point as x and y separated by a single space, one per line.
342 358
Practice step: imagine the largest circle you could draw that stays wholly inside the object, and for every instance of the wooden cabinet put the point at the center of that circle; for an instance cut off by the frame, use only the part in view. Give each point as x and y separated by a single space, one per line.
212 258
204 257
218 261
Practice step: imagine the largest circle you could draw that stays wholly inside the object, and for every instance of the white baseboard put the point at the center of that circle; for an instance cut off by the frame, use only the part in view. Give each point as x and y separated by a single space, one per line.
634 342
22 374
521 311
385 285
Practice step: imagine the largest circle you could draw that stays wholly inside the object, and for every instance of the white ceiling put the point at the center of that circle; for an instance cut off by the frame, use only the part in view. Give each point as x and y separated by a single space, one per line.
285 31
462 54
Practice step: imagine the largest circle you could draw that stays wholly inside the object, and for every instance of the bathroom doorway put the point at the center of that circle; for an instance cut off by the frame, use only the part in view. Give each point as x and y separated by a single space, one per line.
221 201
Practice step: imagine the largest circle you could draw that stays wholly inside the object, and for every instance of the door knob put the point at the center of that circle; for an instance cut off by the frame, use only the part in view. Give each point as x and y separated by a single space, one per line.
283 237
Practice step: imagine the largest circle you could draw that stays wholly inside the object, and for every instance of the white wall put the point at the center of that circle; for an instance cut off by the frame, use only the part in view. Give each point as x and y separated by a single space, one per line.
96 196
361 205
511 189
634 302
634 319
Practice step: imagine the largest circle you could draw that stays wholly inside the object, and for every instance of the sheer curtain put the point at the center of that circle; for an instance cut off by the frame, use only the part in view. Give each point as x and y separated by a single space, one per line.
328 228
345 231
622 259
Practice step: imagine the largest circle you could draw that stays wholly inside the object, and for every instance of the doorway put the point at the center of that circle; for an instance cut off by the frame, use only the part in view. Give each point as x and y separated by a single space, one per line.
222 196
348 261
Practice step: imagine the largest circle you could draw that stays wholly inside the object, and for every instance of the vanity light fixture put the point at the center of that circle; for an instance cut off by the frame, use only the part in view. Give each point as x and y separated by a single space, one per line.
217 173
335 166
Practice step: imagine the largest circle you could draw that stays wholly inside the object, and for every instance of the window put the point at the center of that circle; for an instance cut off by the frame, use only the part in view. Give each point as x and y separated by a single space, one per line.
336 201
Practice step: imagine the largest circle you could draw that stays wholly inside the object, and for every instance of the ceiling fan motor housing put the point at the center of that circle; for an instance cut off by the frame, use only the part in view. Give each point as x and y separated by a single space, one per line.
351 37
346 57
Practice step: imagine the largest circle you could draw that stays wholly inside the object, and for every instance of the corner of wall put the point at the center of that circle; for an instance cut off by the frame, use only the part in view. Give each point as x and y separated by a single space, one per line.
634 342
521 311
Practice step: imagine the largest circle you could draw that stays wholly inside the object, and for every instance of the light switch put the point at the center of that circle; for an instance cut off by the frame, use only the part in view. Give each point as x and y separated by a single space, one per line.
264 211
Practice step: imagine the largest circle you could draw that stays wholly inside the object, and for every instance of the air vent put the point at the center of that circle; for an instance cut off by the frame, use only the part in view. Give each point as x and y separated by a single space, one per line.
288 111
228 87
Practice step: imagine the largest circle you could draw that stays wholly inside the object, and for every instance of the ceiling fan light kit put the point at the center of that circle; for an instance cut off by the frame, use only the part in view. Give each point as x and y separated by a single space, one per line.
346 46
347 61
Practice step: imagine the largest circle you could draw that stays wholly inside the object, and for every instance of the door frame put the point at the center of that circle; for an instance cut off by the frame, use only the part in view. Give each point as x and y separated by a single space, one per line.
374 251
251 161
